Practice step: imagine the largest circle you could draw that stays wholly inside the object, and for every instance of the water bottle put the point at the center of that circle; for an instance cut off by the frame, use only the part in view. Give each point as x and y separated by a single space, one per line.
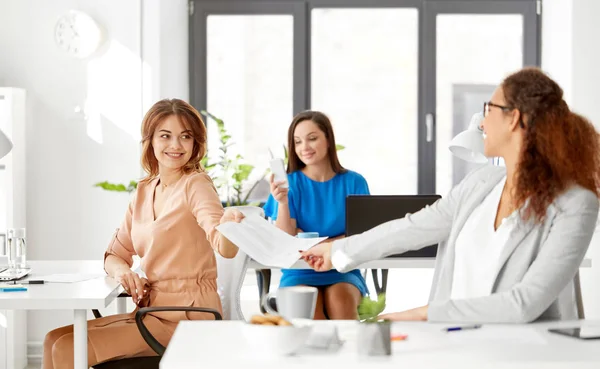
17 250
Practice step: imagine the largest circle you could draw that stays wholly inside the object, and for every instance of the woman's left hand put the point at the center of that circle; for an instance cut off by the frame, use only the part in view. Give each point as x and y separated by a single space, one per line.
416 314
231 215
318 257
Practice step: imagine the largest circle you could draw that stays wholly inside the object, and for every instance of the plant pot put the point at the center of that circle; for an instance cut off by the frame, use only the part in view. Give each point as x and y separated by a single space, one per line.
374 339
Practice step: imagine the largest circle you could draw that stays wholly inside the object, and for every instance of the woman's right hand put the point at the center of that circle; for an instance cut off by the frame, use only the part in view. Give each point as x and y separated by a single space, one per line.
280 194
133 284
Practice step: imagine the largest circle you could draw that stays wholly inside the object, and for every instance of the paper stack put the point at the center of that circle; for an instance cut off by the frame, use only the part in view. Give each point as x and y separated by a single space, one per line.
266 243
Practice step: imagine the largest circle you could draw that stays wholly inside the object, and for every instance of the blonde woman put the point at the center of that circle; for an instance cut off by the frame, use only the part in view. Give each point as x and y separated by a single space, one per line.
170 224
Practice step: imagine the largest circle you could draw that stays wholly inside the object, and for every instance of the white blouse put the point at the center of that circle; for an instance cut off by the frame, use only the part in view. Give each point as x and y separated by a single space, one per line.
478 248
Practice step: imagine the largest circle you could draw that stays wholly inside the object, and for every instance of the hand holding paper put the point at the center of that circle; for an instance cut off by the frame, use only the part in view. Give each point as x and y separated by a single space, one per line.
266 243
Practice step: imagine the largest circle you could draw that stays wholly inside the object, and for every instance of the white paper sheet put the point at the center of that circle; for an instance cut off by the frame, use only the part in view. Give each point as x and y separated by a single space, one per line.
266 243
66 278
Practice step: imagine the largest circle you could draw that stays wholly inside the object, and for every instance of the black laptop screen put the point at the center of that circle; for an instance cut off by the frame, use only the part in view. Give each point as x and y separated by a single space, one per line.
364 212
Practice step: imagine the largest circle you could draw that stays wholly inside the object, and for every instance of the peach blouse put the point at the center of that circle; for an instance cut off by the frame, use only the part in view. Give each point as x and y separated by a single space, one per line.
177 247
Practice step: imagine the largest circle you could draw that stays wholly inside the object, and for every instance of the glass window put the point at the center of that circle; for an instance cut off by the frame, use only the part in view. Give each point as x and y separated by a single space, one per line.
474 53
249 84
364 77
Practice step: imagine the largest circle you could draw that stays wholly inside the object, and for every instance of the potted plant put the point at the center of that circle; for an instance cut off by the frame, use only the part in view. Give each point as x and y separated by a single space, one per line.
374 335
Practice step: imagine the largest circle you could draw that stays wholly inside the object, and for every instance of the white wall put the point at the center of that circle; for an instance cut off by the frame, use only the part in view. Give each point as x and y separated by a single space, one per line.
557 36
586 77
67 152
569 54
165 50
67 217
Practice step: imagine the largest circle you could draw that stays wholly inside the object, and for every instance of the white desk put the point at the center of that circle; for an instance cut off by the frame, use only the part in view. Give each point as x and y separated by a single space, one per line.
222 344
386 263
80 297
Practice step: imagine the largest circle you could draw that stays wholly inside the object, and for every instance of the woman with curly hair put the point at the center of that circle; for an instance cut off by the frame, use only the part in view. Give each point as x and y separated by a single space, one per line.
511 239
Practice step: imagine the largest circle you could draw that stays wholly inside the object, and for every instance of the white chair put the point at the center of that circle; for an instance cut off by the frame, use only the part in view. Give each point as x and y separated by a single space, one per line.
231 274
230 279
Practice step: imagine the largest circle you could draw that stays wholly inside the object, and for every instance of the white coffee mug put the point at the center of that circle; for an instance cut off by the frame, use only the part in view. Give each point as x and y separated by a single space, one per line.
297 302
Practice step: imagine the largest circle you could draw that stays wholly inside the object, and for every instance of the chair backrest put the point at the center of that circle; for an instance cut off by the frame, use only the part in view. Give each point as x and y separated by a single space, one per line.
231 274
578 297
570 301
230 278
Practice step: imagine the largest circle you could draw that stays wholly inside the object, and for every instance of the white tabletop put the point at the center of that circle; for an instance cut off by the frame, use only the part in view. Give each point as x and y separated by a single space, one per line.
95 293
385 263
223 345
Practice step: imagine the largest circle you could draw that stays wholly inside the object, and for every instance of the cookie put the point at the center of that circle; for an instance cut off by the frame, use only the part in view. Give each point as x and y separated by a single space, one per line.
273 318
258 319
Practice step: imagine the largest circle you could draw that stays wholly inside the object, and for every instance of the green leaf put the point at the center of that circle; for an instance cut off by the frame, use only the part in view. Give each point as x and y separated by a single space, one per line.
117 187
369 310
339 147
132 185
209 115
244 171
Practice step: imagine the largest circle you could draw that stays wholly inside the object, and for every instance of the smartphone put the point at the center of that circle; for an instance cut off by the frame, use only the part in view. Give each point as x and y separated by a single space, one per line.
583 333
278 169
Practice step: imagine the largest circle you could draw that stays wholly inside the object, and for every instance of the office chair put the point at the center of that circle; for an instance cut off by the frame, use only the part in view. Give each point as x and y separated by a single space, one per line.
230 279
148 362
578 297
231 273
263 280
380 288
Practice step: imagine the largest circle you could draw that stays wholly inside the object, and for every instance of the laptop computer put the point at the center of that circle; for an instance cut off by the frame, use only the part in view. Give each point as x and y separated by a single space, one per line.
13 274
364 212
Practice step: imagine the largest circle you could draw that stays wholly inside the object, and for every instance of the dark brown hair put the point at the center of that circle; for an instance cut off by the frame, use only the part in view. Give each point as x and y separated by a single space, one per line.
560 148
191 120
324 124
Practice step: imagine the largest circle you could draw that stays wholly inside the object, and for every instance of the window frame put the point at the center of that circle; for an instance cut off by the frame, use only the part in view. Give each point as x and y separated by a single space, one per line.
301 12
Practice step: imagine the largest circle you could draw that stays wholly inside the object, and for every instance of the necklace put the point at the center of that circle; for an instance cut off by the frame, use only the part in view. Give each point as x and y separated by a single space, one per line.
165 185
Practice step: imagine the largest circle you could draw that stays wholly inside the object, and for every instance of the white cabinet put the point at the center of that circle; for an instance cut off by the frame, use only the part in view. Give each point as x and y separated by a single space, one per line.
13 324
12 183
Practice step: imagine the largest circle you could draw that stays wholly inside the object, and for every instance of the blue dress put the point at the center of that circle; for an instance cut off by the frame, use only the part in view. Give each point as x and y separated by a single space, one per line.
320 207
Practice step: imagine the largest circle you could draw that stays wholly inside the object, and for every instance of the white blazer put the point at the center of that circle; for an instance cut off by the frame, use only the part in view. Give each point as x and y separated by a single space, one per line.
536 267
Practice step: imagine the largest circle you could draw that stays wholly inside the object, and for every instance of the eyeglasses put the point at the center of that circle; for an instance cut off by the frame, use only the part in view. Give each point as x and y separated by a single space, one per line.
487 105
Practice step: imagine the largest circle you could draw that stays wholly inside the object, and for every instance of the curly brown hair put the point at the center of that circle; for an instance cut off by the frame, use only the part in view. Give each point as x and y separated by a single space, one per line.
560 148
190 117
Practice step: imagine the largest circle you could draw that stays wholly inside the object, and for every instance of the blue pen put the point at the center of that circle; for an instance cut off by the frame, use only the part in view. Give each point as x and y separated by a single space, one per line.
12 289
452 329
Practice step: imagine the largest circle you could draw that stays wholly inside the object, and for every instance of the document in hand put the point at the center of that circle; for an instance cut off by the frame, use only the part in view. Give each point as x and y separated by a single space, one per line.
266 243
